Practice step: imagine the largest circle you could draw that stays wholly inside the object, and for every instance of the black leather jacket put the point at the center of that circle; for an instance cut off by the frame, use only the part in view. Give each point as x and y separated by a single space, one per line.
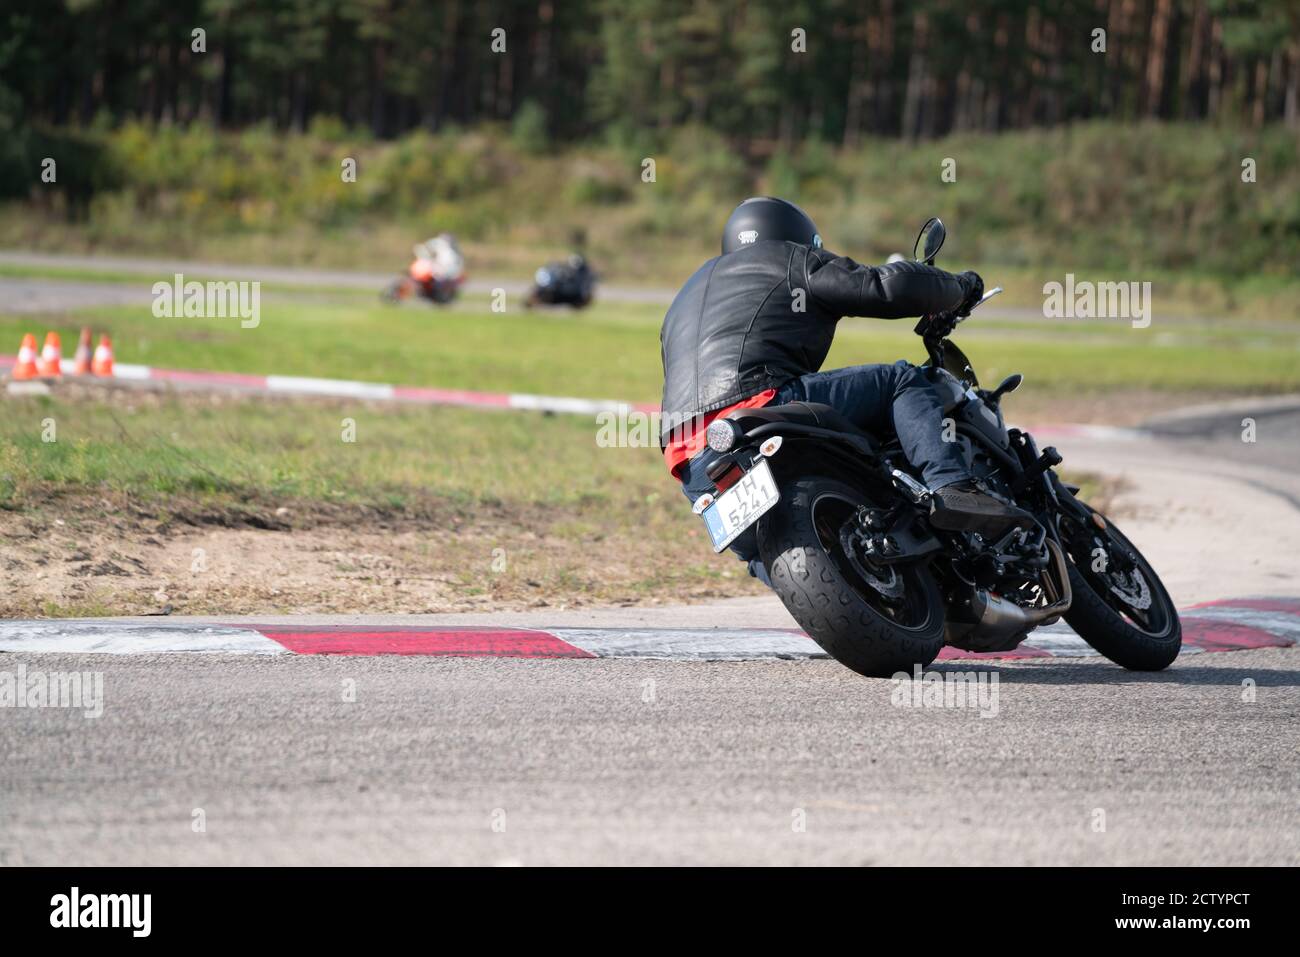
765 314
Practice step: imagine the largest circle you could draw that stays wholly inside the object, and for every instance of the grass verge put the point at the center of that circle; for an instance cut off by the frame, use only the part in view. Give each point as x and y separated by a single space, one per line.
122 502
612 350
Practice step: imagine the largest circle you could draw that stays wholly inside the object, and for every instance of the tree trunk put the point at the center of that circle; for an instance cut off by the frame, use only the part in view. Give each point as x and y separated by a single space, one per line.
378 111
1157 56
858 84
1214 97
915 78
1191 83
1259 93
1291 108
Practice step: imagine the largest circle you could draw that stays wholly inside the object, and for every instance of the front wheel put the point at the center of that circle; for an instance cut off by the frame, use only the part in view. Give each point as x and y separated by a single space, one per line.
875 619
1120 606
396 291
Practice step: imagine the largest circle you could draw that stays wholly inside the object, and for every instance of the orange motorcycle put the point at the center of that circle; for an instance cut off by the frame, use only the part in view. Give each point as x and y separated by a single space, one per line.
420 280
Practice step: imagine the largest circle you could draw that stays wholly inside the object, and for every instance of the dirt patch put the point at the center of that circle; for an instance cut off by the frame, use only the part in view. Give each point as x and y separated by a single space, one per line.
93 555
69 549
88 555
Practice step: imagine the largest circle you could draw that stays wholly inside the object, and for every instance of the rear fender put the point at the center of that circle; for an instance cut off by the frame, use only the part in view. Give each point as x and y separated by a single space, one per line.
824 453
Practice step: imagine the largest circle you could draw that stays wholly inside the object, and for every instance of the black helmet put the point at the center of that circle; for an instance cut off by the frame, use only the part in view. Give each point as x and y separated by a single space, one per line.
765 217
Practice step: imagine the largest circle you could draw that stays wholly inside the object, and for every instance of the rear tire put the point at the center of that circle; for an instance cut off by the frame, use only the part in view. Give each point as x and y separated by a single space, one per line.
830 601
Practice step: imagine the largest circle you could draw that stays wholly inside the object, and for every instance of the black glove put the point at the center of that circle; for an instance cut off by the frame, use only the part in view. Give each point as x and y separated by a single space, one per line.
974 292
940 325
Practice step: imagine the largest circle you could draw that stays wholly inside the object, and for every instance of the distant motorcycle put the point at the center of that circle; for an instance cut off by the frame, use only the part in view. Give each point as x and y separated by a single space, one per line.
844 531
421 282
436 272
568 283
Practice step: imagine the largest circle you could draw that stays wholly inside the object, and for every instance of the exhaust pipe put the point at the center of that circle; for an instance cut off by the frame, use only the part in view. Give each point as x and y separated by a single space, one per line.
1000 625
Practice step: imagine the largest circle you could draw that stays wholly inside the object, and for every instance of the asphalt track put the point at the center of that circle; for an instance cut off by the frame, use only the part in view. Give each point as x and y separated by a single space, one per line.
325 759
578 767
20 294
35 295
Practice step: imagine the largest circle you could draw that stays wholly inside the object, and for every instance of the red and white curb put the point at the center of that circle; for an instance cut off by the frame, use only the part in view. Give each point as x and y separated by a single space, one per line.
421 395
368 391
1230 625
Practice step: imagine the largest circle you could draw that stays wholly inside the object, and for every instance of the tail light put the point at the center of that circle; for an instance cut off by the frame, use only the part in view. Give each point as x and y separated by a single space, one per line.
722 435
727 478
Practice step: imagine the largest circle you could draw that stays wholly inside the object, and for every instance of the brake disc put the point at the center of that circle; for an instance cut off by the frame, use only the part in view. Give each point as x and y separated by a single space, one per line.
889 587
1134 591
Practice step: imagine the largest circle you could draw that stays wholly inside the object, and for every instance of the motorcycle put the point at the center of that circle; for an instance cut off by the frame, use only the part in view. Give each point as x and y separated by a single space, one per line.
421 281
569 283
844 531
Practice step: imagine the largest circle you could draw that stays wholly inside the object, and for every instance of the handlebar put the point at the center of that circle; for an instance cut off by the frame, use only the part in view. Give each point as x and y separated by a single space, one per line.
923 326
934 343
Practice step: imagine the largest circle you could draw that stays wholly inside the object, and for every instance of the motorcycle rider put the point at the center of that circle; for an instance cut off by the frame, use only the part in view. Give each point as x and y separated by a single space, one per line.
579 275
438 258
752 327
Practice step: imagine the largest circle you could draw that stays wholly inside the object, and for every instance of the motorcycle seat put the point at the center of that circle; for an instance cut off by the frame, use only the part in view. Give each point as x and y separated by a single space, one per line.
800 413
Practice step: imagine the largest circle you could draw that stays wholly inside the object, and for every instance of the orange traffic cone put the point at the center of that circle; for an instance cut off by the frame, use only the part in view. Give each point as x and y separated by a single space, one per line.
51 361
103 361
81 361
25 367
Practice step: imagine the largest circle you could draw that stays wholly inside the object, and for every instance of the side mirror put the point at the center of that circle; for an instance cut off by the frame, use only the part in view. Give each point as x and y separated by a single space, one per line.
1010 384
929 241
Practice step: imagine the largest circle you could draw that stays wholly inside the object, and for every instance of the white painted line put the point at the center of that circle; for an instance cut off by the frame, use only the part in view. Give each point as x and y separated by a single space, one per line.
1059 640
556 403
124 370
331 387
690 644
110 638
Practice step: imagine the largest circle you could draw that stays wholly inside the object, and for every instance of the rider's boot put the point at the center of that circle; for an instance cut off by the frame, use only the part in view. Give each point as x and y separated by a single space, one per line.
964 507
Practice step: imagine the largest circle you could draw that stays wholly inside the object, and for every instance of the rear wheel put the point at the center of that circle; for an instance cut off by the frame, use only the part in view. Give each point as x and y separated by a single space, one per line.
876 619
1120 606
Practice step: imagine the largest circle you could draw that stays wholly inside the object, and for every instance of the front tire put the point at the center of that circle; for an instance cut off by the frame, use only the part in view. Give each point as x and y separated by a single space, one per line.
877 626
1120 606
396 291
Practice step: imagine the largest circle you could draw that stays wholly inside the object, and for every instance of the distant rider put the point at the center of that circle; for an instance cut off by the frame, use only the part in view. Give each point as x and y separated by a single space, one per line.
440 258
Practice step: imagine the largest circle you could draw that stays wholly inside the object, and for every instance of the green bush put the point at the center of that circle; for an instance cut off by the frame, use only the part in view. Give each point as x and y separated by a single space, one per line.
528 129
1095 195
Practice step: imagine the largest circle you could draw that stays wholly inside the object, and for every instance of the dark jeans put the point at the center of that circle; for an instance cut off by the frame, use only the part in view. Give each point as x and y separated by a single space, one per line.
877 398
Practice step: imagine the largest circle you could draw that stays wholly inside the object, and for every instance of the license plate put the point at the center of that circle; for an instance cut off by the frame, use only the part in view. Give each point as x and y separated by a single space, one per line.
741 505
